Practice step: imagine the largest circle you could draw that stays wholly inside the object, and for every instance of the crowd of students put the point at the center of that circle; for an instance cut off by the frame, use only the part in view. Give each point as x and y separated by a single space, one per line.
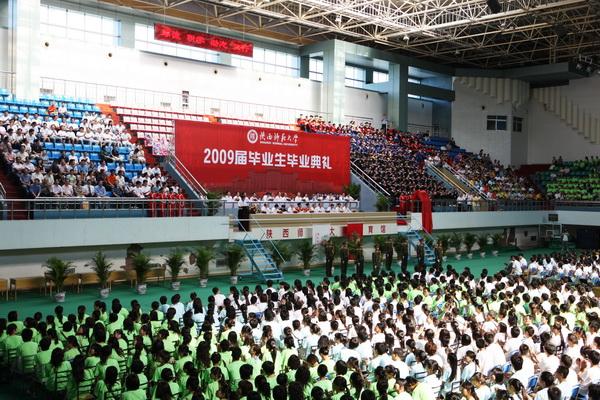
42 173
439 333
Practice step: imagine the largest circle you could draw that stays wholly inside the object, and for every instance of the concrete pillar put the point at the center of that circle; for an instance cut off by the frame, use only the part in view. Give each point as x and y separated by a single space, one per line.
334 72
397 109
304 67
25 49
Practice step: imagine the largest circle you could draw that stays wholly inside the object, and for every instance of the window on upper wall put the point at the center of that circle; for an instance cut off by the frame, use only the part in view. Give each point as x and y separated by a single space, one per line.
271 61
79 25
144 40
355 77
315 69
496 122
380 77
517 124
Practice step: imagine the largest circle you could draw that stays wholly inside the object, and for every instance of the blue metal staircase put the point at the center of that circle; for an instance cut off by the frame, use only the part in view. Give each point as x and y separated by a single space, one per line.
413 238
263 266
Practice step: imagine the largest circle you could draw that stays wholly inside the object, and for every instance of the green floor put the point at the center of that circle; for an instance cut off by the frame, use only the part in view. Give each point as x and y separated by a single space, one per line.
31 302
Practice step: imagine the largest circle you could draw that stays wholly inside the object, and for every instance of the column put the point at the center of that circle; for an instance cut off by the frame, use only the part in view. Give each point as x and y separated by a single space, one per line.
398 96
304 67
334 72
25 51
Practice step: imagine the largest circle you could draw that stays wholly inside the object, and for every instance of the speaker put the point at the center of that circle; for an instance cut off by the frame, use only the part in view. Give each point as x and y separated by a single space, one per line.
553 217
494 6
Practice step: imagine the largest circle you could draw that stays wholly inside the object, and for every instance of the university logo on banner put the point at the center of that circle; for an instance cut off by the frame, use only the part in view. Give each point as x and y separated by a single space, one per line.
252 136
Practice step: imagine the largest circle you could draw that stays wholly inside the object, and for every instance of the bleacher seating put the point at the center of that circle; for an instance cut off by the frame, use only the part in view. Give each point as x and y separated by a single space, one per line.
573 180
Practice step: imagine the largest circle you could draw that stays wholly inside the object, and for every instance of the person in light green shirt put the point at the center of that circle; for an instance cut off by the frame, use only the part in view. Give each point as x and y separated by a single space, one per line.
132 389
233 368
80 381
71 348
322 381
28 348
13 340
418 390
57 371
110 384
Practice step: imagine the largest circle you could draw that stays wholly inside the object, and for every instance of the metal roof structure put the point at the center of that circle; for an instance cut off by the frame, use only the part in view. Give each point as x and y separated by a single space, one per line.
466 33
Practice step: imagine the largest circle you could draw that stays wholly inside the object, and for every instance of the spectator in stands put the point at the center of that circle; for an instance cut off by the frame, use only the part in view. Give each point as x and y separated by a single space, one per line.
52 109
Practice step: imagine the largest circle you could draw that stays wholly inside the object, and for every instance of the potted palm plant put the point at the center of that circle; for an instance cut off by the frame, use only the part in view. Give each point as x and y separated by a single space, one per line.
482 240
202 257
174 262
141 266
102 268
305 251
281 253
497 240
469 240
445 242
234 254
457 242
57 271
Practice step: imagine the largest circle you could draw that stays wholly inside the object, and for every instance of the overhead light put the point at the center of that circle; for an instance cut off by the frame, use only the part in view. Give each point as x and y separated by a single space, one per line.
338 19
406 38
578 66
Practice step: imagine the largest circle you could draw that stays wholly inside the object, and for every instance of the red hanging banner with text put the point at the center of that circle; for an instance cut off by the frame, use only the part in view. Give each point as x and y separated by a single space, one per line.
252 159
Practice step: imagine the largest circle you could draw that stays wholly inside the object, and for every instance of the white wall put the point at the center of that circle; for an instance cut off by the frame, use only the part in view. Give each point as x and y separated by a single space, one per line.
419 112
469 123
360 104
549 136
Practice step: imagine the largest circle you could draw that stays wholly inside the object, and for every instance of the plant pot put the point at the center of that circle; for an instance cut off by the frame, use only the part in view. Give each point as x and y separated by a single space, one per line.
104 293
175 285
203 282
495 253
233 279
458 256
60 297
482 254
141 289
306 272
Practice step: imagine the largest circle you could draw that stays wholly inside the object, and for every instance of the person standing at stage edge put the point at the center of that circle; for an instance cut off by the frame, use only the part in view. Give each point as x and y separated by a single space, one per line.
403 255
376 258
344 255
439 254
420 255
389 253
329 254
360 259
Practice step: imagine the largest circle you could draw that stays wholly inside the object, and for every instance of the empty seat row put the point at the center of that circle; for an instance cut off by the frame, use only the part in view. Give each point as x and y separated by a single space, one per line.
88 148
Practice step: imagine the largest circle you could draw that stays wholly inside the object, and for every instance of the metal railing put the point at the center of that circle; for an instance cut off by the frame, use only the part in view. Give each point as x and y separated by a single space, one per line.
7 81
368 180
124 207
167 101
186 175
465 181
2 192
438 173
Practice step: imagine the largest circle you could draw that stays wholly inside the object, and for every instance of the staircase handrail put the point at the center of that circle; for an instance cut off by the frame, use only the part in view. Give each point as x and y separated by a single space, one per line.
436 170
368 180
465 181
2 192
254 220
186 174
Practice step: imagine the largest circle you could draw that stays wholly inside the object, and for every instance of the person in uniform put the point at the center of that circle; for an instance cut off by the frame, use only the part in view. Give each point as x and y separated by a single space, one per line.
360 259
439 254
376 258
344 255
403 256
420 255
389 254
329 254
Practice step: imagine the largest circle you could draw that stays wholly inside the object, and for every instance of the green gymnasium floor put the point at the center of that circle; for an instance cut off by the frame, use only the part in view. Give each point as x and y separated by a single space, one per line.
31 302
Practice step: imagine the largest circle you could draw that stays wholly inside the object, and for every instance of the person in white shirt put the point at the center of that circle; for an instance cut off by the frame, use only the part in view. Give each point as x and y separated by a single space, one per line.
548 361
589 373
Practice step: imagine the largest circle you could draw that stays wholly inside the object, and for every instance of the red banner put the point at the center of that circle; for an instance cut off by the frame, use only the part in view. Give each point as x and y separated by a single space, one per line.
251 159
188 37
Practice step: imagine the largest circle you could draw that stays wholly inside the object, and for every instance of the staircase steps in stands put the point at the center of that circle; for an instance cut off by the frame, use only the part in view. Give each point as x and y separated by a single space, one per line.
14 191
263 266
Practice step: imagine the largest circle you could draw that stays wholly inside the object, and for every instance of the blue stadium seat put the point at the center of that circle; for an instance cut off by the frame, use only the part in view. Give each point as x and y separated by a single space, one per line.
44 103
4 93
129 175
79 147
59 146
96 148
33 110
123 150
3 107
87 148
138 167
49 146
42 111
95 157
68 147
23 109
111 166
54 154
129 167
13 109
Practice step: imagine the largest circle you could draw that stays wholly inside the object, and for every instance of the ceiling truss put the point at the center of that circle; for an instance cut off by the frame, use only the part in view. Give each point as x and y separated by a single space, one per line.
454 32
